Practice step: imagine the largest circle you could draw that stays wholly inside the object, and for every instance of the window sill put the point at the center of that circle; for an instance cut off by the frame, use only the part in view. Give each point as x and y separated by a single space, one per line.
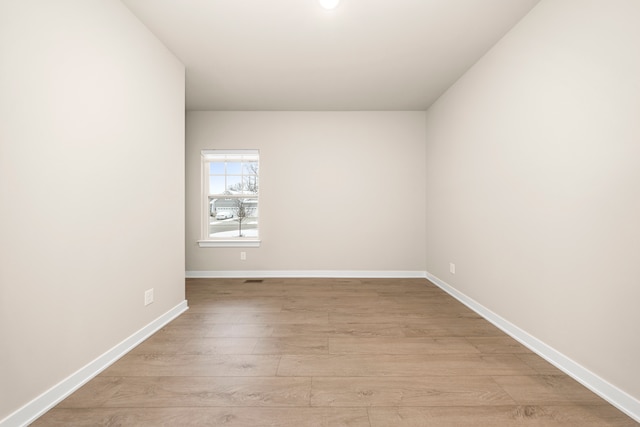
229 243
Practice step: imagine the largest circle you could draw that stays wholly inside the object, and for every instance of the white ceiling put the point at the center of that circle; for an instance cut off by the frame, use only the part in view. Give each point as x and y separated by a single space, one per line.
294 55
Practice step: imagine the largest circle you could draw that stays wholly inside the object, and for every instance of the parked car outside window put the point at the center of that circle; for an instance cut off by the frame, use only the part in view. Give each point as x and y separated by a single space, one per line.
224 215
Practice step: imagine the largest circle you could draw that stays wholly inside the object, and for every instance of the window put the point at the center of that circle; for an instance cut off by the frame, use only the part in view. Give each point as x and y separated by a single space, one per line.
230 198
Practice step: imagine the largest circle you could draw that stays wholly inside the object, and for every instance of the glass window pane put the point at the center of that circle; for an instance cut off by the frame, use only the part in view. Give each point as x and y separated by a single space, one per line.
216 168
234 184
250 168
234 218
234 168
250 184
216 185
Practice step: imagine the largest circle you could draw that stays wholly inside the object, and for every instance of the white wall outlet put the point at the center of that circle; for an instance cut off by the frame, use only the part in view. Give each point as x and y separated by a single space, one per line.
452 268
148 296
243 256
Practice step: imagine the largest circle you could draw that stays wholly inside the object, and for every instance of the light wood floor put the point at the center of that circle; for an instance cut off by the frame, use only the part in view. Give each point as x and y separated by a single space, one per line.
329 352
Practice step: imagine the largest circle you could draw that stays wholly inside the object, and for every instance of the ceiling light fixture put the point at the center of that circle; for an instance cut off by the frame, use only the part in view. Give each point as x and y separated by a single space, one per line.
329 4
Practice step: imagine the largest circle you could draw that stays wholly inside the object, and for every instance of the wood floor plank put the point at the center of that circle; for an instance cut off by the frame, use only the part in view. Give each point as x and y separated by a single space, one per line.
350 304
451 327
407 391
387 345
291 345
162 392
254 318
222 330
199 417
437 328
339 330
188 365
547 390
507 416
496 345
400 317
293 291
160 344
217 305
401 365
233 304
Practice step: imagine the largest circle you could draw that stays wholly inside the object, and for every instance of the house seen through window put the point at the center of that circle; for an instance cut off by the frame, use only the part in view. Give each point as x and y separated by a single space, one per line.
230 184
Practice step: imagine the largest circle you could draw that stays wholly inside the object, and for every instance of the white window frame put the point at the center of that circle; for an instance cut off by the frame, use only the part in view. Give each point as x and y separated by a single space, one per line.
207 241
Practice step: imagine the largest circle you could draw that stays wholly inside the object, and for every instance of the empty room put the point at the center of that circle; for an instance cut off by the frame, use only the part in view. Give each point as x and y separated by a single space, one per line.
319 213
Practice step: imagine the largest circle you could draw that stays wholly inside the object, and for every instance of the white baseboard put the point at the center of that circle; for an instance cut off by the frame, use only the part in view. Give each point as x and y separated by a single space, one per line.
340 274
618 398
47 400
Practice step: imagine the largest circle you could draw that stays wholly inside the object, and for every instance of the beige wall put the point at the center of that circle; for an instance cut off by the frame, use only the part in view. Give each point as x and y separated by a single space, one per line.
339 190
533 184
91 187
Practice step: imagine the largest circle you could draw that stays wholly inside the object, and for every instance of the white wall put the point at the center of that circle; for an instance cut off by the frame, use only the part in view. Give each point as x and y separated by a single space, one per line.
339 190
91 187
533 184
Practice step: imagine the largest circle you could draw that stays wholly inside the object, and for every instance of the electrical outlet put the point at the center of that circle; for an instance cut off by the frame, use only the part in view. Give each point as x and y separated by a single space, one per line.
148 296
243 256
452 268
